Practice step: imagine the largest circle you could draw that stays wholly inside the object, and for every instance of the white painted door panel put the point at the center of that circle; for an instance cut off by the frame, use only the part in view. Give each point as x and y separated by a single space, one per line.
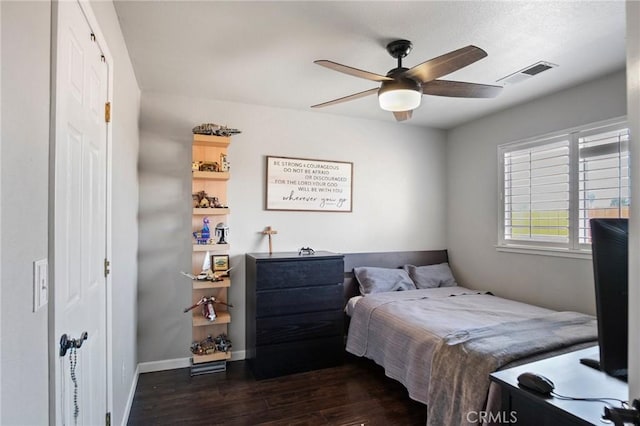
79 218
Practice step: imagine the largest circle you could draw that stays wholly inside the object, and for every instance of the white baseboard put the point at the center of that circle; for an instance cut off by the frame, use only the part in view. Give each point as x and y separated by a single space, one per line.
171 364
132 392
167 364
238 355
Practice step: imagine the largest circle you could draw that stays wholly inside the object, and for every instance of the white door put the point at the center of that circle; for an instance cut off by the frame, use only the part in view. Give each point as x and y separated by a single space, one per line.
79 235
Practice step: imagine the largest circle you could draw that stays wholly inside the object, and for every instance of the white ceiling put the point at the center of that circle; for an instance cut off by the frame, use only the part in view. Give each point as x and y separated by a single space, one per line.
263 52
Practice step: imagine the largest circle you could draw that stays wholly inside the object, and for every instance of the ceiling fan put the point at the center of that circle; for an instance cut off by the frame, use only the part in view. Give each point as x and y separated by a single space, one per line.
401 89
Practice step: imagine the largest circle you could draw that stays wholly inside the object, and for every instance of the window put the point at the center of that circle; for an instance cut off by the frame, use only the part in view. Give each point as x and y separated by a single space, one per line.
552 186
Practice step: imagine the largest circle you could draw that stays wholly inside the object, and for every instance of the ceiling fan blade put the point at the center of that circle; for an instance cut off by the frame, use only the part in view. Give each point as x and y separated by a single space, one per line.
352 71
347 98
460 89
403 115
445 64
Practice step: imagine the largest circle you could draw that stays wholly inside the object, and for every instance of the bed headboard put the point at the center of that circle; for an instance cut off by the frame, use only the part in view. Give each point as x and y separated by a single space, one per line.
394 259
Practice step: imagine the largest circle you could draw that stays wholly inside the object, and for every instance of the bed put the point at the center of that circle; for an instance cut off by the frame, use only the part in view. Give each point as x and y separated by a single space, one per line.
442 342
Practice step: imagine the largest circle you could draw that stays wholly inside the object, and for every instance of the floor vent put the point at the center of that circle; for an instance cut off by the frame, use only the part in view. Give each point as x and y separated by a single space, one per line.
526 73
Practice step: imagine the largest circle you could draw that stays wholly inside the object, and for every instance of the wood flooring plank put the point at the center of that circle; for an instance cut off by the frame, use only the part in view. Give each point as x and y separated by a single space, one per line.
355 393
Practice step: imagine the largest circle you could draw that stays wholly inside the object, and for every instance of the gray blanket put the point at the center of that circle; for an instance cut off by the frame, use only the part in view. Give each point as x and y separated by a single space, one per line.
401 331
463 361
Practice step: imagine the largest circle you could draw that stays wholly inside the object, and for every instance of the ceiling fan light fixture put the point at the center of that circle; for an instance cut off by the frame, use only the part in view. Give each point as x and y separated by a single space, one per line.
400 95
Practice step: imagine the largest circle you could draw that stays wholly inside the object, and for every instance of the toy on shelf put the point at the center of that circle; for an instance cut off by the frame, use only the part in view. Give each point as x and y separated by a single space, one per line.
215 130
203 236
210 345
203 200
222 231
207 307
224 164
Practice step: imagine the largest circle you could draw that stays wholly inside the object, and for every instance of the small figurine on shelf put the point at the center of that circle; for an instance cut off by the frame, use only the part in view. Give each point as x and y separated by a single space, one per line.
203 347
223 344
208 166
214 202
210 345
206 268
222 231
203 236
224 164
214 129
203 200
198 198
207 307
204 203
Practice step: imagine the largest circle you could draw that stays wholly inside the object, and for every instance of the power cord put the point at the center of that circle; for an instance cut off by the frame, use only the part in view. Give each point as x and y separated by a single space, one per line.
623 404
619 416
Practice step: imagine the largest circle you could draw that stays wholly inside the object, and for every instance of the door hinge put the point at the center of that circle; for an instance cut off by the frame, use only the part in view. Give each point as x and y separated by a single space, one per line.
107 419
107 271
107 112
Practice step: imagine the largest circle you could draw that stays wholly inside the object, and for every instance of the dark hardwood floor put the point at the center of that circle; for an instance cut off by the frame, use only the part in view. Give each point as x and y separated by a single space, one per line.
355 393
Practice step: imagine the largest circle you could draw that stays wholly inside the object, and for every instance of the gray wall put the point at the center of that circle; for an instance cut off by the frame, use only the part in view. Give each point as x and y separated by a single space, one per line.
25 157
398 200
24 196
472 198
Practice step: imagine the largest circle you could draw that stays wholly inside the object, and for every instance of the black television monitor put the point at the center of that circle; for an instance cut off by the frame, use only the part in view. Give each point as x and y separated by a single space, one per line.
609 249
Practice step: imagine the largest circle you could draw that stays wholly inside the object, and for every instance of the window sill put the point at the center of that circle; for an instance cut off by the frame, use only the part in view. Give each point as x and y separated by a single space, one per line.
544 251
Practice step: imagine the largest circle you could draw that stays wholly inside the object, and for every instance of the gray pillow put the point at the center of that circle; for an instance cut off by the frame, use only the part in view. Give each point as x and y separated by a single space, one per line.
431 276
380 280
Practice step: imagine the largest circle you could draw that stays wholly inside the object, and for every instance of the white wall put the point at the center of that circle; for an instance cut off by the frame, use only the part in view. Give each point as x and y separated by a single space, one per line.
124 209
633 102
472 198
26 39
398 200
25 148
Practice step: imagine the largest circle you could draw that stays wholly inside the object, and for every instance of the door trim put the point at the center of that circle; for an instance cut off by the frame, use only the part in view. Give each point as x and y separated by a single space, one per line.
87 10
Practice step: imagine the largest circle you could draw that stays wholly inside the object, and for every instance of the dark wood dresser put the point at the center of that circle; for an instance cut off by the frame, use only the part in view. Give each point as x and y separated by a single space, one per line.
294 318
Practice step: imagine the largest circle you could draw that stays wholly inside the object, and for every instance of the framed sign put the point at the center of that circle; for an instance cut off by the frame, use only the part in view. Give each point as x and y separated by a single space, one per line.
220 262
309 185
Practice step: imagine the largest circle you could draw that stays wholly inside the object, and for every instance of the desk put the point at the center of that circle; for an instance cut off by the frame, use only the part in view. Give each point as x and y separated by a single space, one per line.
571 379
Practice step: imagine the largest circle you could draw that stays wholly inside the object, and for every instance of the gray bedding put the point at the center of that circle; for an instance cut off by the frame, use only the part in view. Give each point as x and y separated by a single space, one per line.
431 339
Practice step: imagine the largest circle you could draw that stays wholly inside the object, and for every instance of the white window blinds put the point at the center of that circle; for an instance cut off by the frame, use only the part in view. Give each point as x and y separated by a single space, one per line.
603 178
552 186
536 192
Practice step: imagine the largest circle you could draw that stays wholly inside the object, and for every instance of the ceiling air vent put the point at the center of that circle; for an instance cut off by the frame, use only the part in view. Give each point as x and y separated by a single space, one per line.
526 73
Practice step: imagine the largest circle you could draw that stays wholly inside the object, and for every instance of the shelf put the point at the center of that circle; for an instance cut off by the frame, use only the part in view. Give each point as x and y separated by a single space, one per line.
211 140
215 248
209 149
211 211
222 317
211 175
216 356
201 284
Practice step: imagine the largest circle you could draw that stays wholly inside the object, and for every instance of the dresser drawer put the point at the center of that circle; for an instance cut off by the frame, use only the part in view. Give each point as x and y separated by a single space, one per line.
287 274
299 300
294 357
286 328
